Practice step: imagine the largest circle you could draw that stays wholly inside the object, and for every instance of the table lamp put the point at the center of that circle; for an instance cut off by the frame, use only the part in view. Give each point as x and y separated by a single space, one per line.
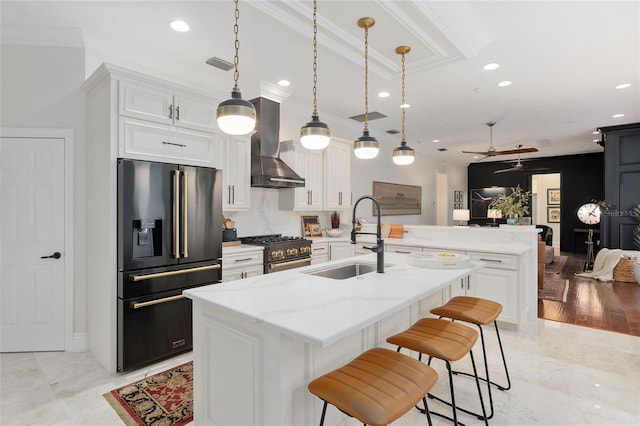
460 215
494 214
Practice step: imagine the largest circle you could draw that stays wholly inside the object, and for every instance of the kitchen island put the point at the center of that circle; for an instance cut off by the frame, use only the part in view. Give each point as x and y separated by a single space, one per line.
259 341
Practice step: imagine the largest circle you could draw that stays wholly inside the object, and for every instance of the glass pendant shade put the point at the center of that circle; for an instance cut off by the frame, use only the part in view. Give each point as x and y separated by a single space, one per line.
315 134
403 155
236 116
366 147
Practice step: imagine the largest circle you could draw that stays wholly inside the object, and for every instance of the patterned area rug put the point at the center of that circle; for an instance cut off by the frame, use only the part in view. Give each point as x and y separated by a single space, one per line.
163 399
557 265
554 289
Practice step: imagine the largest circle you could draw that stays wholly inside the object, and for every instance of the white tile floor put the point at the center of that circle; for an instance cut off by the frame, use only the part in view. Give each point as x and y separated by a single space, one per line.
561 375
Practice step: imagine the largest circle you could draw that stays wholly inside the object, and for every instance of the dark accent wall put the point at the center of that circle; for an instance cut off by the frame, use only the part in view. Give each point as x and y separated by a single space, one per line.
581 180
622 184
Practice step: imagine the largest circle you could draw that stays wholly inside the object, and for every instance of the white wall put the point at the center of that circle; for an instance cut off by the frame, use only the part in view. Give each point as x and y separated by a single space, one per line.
41 89
539 184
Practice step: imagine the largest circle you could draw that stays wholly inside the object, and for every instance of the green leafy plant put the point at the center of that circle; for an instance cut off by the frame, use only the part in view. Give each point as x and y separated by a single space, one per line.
514 204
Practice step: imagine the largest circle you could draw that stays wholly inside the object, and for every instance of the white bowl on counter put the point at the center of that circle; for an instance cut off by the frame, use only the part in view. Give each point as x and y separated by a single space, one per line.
334 232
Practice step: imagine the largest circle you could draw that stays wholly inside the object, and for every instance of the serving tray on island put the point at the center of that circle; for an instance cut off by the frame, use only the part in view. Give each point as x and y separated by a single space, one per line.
442 260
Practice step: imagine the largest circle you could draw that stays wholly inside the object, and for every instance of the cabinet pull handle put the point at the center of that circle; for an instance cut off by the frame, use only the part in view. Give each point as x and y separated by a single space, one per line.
155 302
491 260
468 284
402 252
246 259
171 112
319 249
233 193
340 198
229 194
461 283
172 273
185 214
178 113
174 144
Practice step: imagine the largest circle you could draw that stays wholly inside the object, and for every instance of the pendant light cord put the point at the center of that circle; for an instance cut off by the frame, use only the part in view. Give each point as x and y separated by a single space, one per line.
236 60
366 78
403 107
315 58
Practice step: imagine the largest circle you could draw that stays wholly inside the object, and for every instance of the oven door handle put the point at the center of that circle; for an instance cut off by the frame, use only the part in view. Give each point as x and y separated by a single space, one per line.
135 305
172 273
292 262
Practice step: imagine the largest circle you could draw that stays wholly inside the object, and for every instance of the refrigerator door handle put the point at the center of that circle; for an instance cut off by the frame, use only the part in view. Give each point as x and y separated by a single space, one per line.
144 277
176 214
185 214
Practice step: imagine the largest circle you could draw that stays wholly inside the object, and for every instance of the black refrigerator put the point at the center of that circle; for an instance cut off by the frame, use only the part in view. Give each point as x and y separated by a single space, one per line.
169 240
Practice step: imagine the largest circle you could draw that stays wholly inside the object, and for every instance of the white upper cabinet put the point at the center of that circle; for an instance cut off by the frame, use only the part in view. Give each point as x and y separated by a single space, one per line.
327 176
167 106
337 176
308 164
236 172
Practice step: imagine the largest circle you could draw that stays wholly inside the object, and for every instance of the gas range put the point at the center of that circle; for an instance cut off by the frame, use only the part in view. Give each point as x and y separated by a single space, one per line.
282 252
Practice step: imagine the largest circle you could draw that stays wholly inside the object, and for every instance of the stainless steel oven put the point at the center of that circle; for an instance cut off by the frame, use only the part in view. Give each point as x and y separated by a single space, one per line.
282 252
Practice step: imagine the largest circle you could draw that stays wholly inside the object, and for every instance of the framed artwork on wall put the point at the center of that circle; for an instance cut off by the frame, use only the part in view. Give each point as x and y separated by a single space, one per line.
553 196
481 198
397 199
553 214
315 230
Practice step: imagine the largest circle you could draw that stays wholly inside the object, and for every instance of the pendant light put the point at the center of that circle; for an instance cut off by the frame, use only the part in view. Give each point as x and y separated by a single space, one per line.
235 115
315 134
366 147
403 155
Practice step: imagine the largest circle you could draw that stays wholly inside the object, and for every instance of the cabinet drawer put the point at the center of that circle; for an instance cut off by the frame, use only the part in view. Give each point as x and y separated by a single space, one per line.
319 248
196 147
241 259
432 250
499 261
401 249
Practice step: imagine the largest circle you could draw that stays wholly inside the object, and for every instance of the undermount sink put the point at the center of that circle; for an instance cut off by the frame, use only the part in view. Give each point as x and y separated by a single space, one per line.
342 272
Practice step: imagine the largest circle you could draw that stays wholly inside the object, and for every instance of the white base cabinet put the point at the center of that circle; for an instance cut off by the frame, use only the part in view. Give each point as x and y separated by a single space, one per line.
245 264
341 250
319 252
236 172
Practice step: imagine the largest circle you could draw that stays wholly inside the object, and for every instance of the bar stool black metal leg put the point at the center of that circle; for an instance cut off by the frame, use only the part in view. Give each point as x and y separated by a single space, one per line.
324 410
504 361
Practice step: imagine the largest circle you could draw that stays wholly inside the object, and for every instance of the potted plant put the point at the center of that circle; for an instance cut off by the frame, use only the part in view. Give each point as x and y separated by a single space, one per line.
513 205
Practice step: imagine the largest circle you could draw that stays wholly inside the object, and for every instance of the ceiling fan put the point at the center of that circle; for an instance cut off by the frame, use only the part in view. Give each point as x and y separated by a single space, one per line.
519 167
491 152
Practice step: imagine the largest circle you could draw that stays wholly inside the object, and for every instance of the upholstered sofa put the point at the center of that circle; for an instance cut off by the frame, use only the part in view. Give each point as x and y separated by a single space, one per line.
547 236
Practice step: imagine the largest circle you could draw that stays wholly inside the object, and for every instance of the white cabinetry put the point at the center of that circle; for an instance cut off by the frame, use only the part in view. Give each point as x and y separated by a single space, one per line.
337 176
327 175
341 250
319 252
165 105
236 172
308 164
128 117
245 264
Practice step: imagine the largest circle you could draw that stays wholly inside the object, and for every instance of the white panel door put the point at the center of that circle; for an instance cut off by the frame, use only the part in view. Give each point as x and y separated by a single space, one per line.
32 289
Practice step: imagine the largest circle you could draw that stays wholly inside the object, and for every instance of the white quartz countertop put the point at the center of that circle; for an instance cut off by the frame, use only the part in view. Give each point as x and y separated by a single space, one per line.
321 311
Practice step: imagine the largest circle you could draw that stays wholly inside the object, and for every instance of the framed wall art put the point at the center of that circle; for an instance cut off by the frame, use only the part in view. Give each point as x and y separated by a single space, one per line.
553 196
397 199
307 221
553 214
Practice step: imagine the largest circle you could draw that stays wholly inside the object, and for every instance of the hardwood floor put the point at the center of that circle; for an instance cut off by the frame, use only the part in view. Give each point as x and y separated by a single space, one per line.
613 306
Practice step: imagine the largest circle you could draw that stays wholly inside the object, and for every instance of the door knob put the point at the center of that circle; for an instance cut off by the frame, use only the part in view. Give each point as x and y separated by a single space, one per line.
55 255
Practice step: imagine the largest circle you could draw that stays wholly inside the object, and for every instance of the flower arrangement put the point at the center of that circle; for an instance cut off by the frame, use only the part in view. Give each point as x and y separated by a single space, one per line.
514 204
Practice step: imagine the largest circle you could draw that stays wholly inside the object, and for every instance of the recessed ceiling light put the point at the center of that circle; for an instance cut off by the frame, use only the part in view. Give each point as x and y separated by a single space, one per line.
476 156
617 115
595 132
284 83
623 86
435 140
405 106
491 66
179 26
596 140
383 94
504 83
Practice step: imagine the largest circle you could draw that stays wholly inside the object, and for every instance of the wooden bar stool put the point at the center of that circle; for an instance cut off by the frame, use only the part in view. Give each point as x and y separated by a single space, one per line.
479 312
447 341
377 387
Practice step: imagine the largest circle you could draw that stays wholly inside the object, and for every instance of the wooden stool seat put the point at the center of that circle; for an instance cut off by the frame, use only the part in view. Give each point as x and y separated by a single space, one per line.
437 338
377 387
470 309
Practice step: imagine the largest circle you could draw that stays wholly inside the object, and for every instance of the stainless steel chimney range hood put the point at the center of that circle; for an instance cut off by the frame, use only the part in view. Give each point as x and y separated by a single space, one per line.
267 169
